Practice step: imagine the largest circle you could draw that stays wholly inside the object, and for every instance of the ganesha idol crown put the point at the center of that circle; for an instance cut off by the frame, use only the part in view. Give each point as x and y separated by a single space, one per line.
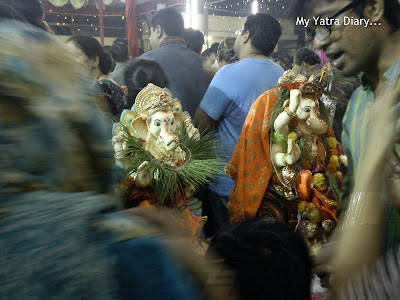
153 99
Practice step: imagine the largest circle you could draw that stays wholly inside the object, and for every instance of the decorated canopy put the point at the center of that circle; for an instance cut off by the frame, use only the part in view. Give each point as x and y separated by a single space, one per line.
77 4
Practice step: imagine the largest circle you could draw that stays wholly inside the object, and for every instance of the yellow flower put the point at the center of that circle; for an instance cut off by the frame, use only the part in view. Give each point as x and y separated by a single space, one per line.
309 206
301 207
332 142
334 160
293 136
319 180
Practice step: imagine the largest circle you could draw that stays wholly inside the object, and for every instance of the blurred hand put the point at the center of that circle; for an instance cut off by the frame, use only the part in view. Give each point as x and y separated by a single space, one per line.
47 28
392 171
322 263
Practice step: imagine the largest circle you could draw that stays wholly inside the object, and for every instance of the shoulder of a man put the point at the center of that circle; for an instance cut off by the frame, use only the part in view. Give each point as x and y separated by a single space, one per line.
220 94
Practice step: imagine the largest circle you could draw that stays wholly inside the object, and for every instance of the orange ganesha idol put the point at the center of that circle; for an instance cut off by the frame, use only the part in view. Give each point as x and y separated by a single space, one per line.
299 160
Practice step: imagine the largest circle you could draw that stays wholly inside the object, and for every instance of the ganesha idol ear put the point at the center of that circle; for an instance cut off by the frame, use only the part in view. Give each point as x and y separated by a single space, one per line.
178 119
127 116
177 108
139 127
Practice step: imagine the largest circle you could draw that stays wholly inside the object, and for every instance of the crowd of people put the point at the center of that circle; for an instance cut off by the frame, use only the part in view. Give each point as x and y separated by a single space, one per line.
65 232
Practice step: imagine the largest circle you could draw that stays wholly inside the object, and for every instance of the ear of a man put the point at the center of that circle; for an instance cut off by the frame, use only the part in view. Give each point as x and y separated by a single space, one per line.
159 32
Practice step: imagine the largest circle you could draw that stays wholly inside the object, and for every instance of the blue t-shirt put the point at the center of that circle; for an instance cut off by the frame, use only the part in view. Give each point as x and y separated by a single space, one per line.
228 99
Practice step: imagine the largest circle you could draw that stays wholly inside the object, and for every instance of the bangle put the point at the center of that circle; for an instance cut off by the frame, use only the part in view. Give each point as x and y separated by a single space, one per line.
365 209
284 160
291 114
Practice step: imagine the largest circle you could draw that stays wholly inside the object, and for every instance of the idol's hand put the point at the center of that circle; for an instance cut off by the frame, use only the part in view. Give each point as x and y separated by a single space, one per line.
294 100
293 153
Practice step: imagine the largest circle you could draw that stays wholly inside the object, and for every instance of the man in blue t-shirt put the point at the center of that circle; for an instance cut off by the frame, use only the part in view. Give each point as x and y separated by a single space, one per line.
229 97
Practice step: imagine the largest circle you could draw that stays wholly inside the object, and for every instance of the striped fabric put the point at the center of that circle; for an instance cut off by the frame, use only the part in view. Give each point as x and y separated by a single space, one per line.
357 123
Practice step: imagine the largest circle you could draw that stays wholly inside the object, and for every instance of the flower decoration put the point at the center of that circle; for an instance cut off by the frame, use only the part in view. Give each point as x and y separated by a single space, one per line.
340 149
331 168
332 142
301 207
333 152
299 133
330 133
293 136
334 160
309 206
307 165
319 181
318 168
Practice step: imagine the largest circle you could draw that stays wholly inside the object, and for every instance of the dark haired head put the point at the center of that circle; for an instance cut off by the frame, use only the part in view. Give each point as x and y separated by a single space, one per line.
306 55
194 39
205 53
170 21
225 50
31 10
92 48
264 31
391 13
107 50
120 52
121 40
139 73
214 48
210 51
270 260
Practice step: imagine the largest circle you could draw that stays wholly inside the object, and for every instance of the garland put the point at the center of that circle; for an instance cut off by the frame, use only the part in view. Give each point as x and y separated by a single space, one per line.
168 181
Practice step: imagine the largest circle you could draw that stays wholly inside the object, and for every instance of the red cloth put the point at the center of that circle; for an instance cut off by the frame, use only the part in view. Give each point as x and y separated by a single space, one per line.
132 33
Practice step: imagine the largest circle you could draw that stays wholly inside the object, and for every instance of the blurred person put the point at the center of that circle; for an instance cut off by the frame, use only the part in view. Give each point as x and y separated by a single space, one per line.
89 52
59 236
367 276
194 40
210 63
226 54
187 80
7 12
120 53
211 53
32 11
121 40
281 59
373 50
236 87
268 259
305 61
139 73
107 50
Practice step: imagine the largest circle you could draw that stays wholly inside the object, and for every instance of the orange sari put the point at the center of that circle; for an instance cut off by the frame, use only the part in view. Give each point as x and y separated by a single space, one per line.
250 165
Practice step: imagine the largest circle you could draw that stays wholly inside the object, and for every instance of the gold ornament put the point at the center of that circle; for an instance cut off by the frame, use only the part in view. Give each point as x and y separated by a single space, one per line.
291 114
289 177
153 99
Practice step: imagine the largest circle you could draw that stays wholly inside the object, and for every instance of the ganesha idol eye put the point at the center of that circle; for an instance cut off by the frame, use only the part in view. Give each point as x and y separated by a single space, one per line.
157 123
